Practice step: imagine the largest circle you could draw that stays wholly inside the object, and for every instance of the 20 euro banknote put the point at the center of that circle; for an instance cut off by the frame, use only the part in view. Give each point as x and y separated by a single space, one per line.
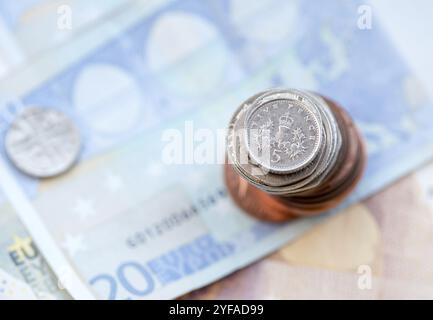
131 224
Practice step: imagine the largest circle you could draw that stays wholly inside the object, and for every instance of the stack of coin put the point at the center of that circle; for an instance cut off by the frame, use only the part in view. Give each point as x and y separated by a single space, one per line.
291 153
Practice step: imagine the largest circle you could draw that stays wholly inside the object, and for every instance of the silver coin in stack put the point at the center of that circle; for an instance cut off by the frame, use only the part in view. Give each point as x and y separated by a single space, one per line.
328 155
42 142
283 135
302 136
334 143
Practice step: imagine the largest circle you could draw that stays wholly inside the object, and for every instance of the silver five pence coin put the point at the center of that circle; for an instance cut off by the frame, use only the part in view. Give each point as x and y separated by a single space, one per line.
283 136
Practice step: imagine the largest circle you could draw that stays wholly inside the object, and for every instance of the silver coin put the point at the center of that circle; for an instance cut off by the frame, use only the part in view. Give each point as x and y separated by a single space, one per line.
236 150
335 145
330 141
251 171
283 134
42 142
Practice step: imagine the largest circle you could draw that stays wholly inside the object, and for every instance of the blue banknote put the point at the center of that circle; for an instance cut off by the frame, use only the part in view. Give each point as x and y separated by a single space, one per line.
133 226
23 22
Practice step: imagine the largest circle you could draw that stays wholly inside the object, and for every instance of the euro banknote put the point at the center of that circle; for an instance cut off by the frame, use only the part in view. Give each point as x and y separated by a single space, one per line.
12 288
24 272
378 249
23 22
131 225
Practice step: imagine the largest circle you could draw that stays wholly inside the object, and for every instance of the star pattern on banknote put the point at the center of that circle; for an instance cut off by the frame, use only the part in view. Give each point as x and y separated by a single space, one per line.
113 182
74 244
84 208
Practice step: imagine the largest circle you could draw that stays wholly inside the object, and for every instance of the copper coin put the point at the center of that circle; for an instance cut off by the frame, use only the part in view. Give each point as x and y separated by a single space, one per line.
253 200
